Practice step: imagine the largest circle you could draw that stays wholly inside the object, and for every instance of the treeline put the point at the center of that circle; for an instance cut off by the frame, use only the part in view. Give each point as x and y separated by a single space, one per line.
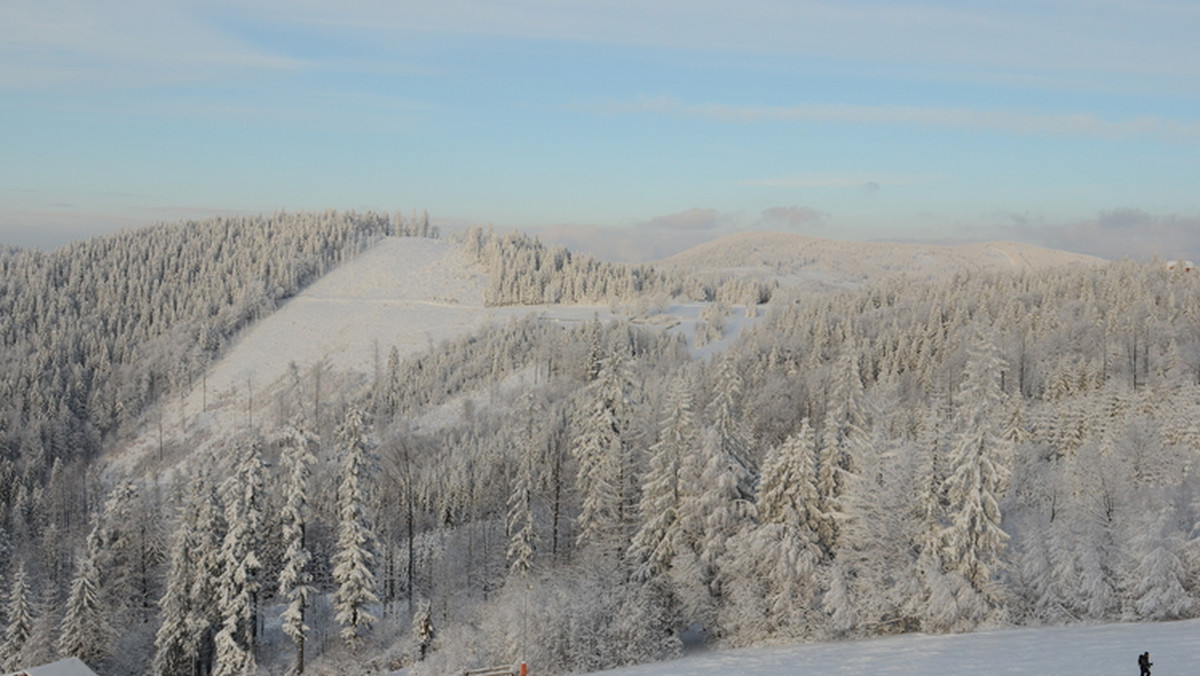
523 271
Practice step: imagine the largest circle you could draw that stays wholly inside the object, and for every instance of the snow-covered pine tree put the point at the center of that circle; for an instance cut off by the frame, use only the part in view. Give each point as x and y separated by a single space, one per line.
726 419
111 545
242 494
83 633
175 645
720 504
20 619
295 579
352 571
788 520
770 574
977 476
842 432
925 599
1158 590
521 534
605 466
205 614
874 542
652 549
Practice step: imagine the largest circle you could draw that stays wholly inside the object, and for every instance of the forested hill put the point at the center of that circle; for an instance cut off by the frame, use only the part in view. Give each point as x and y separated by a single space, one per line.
820 263
92 332
582 490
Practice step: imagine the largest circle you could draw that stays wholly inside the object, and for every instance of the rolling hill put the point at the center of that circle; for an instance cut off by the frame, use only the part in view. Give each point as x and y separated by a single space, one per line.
815 263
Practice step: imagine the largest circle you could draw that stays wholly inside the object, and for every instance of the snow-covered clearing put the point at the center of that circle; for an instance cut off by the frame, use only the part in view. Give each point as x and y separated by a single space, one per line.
1051 651
407 292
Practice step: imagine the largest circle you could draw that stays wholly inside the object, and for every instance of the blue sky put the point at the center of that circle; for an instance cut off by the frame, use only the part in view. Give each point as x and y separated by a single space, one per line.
1066 123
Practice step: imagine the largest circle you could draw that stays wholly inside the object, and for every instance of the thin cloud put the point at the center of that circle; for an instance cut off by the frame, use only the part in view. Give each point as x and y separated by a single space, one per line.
1035 124
1124 219
1138 42
868 183
793 217
1120 233
999 40
54 42
693 219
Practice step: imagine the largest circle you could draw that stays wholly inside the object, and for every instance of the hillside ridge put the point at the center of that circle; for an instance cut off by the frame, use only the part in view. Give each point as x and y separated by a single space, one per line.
806 260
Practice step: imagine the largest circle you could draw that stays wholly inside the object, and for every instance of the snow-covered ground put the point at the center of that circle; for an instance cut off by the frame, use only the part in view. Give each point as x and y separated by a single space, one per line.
1050 651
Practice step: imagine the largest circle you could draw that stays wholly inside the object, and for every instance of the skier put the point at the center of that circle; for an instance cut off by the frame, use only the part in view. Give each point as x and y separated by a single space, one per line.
1144 663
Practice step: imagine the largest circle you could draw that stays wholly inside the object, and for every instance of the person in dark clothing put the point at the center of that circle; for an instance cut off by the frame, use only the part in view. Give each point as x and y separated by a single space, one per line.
1144 663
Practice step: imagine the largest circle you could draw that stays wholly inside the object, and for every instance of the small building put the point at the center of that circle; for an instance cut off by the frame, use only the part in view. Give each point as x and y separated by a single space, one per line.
72 666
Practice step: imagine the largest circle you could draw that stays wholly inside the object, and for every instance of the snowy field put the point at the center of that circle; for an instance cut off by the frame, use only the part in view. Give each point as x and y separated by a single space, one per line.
1049 651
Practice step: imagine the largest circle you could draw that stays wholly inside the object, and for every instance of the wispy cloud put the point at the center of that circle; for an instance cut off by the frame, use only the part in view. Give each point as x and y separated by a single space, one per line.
692 219
1085 43
868 183
1005 121
1052 39
1116 234
793 217
136 42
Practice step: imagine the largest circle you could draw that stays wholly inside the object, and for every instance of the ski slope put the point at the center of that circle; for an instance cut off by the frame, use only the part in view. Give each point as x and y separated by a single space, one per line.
410 293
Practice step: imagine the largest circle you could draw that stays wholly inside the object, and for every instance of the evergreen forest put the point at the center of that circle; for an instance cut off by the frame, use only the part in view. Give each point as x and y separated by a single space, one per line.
991 450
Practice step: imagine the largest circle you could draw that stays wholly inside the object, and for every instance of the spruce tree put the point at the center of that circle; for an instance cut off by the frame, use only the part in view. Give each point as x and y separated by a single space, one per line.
295 579
352 572
83 633
522 537
605 464
242 495
206 613
19 612
839 441
174 647
788 519
652 548
973 540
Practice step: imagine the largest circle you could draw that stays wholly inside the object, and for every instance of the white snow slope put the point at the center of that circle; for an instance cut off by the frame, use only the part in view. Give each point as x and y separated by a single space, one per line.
1046 651
407 292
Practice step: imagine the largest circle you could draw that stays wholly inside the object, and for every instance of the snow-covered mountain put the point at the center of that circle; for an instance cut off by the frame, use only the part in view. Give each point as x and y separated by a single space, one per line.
815 262
508 436
412 293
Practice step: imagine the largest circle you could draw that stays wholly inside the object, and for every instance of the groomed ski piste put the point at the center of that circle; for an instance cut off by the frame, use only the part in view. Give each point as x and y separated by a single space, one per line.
1082 650
410 293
